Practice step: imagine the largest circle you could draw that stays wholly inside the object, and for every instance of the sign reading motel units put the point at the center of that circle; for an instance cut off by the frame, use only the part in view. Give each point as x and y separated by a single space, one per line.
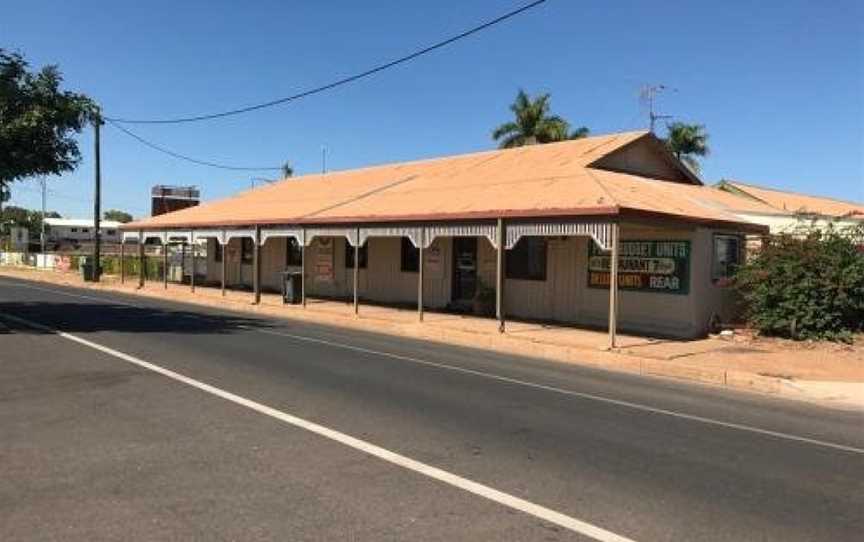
654 266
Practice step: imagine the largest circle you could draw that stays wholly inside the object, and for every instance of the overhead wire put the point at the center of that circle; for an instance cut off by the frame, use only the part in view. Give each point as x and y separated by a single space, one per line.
179 156
338 82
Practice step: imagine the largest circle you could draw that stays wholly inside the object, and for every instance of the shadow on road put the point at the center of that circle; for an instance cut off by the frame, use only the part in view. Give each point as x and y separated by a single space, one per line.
84 318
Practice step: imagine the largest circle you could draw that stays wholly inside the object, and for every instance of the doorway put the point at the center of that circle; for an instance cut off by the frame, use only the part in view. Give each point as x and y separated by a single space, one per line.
464 269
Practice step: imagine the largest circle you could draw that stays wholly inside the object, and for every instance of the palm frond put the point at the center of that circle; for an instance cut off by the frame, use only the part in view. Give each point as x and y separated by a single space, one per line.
514 140
505 129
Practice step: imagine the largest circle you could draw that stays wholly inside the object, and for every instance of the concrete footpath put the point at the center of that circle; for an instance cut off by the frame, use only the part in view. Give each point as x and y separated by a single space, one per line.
832 375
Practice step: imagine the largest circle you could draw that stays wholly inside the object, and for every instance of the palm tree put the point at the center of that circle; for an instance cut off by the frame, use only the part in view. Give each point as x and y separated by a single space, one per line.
533 124
287 170
687 141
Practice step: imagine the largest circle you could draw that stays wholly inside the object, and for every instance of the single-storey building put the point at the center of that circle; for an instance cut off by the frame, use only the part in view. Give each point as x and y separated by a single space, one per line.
603 231
785 212
79 230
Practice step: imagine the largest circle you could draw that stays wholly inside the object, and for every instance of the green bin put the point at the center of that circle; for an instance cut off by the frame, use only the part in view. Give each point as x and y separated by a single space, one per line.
87 269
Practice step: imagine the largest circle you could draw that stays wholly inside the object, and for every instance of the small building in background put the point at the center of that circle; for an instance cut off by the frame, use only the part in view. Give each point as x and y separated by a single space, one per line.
167 199
784 212
74 231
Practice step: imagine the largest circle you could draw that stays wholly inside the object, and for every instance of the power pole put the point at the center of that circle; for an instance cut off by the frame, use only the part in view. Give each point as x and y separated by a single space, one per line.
323 159
97 201
647 95
42 233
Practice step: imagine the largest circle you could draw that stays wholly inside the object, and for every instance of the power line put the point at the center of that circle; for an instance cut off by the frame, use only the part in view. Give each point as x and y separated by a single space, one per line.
336 83
184 157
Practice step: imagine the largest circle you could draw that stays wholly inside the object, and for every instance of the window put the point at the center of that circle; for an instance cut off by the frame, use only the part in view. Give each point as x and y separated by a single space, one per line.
217 251
293 253
247 250
85 230
349 256
527 260
73 230
110 232
727 257
410 256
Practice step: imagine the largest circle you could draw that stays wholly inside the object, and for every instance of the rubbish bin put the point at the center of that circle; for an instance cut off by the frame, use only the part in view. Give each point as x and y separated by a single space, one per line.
86 267
292 284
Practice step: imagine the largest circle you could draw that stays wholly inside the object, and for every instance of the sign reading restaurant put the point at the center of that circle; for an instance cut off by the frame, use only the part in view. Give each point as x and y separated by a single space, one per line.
653 266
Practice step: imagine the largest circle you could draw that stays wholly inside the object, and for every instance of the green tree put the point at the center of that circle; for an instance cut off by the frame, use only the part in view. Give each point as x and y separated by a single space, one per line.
533 124
19 216
117 216
806 284
37 122
688 142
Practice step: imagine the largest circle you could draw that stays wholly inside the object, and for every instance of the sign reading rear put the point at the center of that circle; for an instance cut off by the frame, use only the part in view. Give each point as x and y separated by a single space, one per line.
652 266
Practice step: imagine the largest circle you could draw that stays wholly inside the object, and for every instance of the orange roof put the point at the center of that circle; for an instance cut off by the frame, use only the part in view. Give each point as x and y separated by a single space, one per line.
540 180
790 202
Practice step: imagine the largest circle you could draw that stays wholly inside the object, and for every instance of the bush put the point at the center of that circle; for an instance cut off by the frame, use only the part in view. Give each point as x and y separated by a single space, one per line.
806 285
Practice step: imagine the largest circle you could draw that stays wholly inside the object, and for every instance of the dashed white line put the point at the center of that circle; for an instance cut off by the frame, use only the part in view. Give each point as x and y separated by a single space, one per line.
482 490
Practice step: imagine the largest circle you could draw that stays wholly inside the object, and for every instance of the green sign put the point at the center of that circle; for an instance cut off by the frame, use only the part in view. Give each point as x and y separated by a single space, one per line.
648 266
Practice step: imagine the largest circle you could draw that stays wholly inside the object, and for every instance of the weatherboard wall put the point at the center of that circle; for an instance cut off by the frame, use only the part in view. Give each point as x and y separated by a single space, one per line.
563 296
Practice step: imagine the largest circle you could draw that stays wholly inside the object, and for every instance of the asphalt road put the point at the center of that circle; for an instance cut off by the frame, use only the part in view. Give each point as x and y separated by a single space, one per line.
209 442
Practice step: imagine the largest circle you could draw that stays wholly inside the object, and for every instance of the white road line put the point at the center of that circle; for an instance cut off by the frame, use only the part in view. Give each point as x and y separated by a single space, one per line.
608 400
599 398
500 497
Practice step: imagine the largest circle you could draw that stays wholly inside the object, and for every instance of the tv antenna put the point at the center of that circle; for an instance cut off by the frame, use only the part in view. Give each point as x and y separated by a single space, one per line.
647 95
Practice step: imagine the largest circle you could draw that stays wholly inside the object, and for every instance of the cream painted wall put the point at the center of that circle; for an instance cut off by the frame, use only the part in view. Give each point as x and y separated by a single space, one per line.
789 223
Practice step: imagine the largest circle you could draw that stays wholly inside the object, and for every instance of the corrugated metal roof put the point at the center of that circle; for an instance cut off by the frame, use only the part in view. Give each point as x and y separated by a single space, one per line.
791 202
540 180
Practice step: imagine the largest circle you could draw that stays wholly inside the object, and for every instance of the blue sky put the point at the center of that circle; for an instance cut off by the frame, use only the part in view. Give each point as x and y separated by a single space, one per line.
779 85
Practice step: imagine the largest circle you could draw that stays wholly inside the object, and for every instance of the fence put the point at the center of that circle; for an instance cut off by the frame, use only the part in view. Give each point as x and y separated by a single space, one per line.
153 265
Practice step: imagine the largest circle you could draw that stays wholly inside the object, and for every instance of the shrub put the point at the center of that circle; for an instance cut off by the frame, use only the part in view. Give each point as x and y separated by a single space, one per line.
806 285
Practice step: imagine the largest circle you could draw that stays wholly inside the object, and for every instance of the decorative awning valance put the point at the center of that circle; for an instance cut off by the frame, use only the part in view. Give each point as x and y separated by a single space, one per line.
296 233
414 233
219 235
348 233
158 235
600 232
175 236
238 234
488 231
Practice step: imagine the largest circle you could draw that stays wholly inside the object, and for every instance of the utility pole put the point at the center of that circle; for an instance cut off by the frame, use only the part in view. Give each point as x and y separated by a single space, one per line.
42 233
97 200
323 159
647 95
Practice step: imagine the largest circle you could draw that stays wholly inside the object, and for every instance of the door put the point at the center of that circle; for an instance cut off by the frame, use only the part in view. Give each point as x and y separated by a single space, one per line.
464 269
562 273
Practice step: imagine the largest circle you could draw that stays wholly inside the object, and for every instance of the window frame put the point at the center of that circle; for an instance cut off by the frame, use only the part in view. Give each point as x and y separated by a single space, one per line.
518 265
409 256
363 253
726 274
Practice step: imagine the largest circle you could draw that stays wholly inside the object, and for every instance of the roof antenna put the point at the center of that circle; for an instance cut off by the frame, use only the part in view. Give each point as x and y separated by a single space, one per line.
647 95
